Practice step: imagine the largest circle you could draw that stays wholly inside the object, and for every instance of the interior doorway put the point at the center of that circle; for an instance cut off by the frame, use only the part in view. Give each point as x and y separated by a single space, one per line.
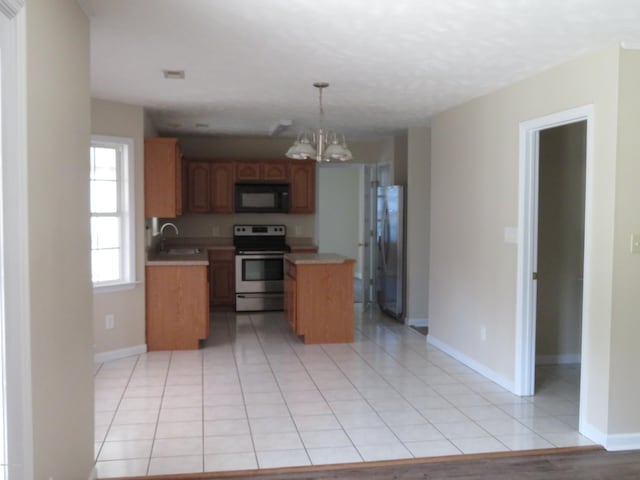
560 259
341 220
551 253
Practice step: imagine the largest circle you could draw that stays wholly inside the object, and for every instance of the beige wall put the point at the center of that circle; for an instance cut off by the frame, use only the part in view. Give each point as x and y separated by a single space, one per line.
121 120
625 328
339 216
219 225
562 170
475 196
417 223
60 293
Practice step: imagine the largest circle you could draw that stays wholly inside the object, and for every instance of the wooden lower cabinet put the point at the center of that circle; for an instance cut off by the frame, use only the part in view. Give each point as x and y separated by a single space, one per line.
222 277
177 306
319 301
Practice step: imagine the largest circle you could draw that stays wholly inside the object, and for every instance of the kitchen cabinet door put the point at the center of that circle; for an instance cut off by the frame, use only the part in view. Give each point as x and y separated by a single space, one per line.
162 177
198 187
275 171
248 171
222 182
177 307
222 279
302 194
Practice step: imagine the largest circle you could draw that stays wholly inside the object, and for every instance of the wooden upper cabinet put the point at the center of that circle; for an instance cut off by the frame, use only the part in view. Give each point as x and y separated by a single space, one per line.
198 187
249 171
222 184
162 177
302 194
275 171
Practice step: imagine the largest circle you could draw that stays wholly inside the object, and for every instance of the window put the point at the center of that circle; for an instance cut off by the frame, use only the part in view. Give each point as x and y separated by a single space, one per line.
112 219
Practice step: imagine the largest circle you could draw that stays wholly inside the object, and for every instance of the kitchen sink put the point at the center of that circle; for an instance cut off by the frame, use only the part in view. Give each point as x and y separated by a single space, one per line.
183 251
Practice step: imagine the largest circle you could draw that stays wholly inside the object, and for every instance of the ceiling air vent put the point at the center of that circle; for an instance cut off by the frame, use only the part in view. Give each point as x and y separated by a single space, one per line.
173 74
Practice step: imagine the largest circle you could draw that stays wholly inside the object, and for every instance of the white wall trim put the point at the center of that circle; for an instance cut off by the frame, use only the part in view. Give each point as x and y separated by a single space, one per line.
10 8
417 322
614 442
19 393
562 359
527 246
471 363
593 434
93 474
623 441
120 353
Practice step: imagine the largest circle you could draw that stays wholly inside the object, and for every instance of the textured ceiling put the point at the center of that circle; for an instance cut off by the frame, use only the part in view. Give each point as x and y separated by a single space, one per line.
391 63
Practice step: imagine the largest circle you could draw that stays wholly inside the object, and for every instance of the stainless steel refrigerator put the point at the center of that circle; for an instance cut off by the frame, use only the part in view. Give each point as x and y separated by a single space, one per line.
390 251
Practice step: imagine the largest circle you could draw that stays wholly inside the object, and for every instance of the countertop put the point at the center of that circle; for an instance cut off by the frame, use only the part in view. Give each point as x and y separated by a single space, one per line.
166 259
155 257
316 258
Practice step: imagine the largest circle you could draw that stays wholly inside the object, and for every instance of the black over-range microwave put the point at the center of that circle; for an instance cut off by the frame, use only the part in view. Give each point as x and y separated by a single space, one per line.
262 197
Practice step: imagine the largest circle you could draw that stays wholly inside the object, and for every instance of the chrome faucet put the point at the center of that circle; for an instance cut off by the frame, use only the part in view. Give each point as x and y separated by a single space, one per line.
168 224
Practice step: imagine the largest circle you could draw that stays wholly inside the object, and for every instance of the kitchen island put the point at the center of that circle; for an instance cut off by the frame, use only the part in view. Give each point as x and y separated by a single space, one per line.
319 296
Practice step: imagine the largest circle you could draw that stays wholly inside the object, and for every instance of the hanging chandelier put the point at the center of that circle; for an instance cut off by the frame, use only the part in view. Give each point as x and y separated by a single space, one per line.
321 145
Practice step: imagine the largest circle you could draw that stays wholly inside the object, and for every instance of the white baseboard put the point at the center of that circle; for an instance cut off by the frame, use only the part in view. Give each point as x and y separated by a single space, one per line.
417 322
615 442
120 353
623 441
473 364
562 359
593 434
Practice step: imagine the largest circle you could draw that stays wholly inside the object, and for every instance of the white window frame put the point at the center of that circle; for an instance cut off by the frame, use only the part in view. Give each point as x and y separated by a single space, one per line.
127 214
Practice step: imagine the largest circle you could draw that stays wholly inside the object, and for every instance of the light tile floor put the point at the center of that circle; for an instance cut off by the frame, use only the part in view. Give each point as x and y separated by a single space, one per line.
256 397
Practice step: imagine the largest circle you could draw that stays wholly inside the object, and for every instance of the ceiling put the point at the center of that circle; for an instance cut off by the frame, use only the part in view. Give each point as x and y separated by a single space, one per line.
391 64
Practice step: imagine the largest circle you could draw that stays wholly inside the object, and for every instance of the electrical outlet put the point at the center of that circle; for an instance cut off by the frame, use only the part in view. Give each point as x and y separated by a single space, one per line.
483 333
109 321
298 230
215 231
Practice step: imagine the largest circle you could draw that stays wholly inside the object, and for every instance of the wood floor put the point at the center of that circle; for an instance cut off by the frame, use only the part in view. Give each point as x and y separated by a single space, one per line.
583 463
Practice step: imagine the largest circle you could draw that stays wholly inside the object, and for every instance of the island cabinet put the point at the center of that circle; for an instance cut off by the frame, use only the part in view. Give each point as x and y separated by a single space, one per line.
177 306
302 194
209 186
222 277
319 297
162 177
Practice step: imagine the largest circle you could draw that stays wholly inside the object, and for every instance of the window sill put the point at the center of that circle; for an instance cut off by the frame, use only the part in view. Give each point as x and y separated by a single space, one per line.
115 287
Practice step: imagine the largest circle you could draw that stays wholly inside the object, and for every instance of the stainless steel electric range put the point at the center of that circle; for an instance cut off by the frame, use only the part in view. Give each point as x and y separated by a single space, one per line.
259 266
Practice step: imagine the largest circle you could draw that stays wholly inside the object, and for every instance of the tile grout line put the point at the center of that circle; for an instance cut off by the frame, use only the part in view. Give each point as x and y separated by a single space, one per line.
155 431
115 412
279 390
244 398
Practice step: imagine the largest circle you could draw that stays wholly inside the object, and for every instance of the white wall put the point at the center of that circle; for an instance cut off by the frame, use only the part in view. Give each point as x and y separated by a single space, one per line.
417 223
339 211
128 307
475 196
59 292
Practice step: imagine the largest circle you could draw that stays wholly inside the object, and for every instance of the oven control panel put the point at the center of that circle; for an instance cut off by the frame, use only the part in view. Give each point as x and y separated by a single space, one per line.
259 230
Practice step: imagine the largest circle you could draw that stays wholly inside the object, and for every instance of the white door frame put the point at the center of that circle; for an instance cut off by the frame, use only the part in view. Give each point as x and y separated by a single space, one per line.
15 239
528 243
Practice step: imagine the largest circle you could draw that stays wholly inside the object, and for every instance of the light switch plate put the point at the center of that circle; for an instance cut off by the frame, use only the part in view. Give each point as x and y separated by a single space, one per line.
635 243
